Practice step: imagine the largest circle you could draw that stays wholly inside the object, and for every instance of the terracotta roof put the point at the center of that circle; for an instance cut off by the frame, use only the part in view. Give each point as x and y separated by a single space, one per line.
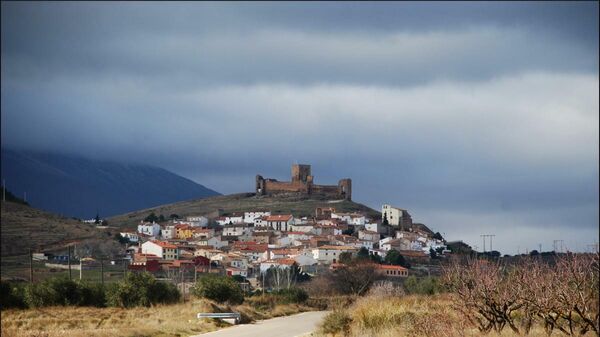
330 247
164 244
281 217
390 267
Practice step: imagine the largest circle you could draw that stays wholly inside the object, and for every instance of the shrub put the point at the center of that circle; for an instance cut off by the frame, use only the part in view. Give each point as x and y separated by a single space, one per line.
423 286
91 294
140 289
11 295
338 321
54 291
291 295
219 288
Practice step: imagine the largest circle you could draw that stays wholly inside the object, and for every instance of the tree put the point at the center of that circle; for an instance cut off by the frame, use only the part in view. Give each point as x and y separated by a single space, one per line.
385 220
438 236
363 253
395 258
97 219
161 218
355 279
345 257
432 253
173 216
151 218
219 288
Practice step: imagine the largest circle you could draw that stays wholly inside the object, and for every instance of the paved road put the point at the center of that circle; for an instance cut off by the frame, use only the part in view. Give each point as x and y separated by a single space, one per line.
288 326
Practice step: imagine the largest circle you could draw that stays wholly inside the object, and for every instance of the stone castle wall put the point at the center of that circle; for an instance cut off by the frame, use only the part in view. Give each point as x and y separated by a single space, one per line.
302 182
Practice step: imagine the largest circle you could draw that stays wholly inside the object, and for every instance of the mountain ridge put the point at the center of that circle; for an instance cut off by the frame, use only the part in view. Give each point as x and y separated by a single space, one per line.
88 186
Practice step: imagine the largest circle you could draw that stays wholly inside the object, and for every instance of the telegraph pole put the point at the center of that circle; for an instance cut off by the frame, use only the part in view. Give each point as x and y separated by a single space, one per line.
483 237
30 266
491 237
69 262
4 190
102 271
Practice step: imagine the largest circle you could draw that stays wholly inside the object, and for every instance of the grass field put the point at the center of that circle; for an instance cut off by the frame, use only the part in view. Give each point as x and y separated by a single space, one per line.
407 316
296 204
23 227
165 320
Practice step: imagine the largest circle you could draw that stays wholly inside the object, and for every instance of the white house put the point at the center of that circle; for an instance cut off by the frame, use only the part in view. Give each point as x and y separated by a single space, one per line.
168 232
249 217
151 229
198 220
131 236
369 235
304 227
230 219
236 230
331 254
214 241
397 217
162 249
375 227
280 222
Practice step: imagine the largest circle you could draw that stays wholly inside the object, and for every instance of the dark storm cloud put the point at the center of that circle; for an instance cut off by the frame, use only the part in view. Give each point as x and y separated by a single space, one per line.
474 116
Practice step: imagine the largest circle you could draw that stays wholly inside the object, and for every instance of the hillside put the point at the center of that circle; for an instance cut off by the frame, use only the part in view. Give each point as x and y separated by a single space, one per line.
23 227
80 187
299 205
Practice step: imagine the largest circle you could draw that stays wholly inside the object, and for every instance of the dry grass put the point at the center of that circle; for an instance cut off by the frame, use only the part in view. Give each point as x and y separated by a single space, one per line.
407 316
165 320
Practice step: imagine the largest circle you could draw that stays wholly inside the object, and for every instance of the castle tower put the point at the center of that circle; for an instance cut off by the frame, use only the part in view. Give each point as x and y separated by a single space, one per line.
300 172
345 189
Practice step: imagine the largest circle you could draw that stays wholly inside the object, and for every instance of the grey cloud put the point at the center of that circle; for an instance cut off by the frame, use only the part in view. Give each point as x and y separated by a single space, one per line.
475 117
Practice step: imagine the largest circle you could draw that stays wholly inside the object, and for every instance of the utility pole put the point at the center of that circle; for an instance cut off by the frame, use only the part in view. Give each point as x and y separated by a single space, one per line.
491 237
4 190
483 237
540 245
25 196
30 266
102 271
69 262
80 269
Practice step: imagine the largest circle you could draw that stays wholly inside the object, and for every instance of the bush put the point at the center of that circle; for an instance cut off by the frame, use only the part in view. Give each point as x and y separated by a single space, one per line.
219 288
423 286
335 322
140 289
291 295
91 294
54 291
11 295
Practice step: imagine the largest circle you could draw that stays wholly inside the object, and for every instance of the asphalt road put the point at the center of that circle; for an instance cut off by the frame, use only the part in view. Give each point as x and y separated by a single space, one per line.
288 326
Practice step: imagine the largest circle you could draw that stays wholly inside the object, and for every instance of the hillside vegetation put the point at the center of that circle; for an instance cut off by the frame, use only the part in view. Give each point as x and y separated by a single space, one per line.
299 205
23 227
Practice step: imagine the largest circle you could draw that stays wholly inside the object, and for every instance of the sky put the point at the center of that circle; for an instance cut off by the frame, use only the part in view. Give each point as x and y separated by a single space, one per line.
478 118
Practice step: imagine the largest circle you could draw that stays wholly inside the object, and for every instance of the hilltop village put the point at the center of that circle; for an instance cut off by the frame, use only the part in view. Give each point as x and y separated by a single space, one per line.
249 243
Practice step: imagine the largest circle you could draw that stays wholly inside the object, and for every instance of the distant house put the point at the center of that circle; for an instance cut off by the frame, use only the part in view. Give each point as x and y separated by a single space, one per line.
396 217
280 222
236 229
235 218
150 229
197 220
162 249
183 232
167 233
391 271
250 217
330 254
131 236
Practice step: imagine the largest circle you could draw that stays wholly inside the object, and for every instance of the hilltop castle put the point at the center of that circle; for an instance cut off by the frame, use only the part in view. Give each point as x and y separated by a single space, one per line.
302 182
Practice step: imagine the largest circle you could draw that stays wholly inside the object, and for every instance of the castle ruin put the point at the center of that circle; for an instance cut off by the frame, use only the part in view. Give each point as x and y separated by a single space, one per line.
302 182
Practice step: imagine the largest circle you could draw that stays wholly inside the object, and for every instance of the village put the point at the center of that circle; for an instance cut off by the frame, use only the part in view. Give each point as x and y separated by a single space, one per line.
248 244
